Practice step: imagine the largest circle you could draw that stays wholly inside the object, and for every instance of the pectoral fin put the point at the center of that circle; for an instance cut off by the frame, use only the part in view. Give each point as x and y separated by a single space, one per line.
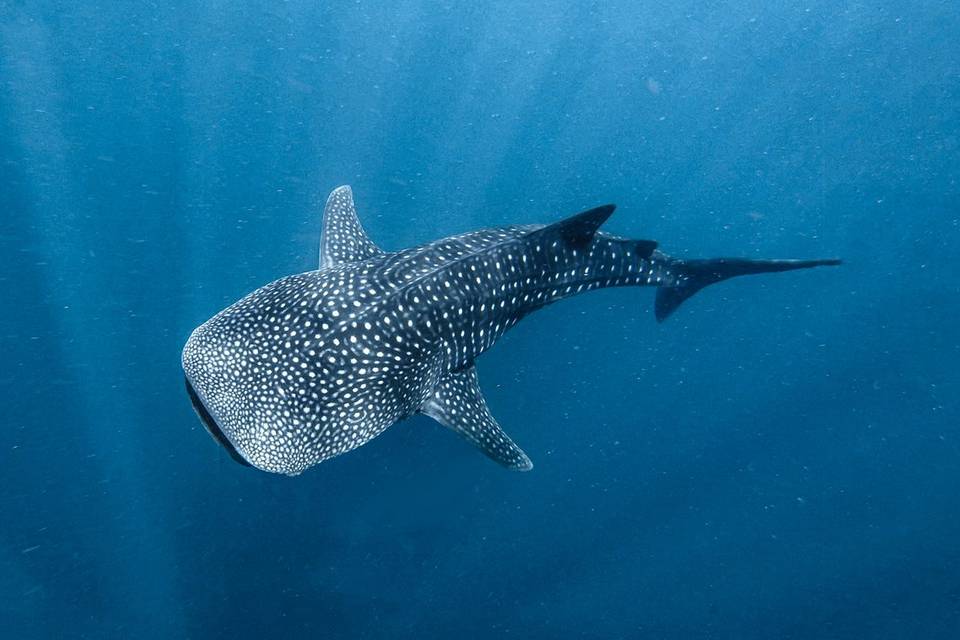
457 404
342 238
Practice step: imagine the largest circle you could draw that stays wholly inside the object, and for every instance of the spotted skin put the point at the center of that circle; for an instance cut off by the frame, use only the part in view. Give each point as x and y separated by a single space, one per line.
316 364
342 238
456 403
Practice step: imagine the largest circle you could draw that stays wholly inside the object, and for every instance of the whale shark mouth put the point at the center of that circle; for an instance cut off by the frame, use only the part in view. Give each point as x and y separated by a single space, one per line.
211 425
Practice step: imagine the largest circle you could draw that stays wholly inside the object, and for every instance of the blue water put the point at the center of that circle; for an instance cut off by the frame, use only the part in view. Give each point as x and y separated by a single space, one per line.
781 459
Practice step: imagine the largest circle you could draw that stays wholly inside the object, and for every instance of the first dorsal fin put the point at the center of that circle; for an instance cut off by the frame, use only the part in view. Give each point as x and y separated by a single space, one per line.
457 404
343 238
578 230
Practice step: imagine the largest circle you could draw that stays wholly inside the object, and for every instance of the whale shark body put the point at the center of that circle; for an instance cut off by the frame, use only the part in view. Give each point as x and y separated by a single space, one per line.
316 364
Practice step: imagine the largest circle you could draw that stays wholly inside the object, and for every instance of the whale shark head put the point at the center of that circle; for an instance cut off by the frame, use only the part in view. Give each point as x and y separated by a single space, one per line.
238 402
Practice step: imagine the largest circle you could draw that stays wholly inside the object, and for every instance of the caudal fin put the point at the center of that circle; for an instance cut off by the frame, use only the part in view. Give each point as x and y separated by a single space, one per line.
697 274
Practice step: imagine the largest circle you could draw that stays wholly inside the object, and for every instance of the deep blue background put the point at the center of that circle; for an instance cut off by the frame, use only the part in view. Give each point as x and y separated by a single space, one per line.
779 460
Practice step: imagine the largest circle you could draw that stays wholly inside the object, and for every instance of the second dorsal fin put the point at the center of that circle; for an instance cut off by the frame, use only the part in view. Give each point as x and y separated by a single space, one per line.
342 238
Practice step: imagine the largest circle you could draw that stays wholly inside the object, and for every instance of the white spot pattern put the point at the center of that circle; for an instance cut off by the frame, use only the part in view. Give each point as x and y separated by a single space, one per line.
456 403
316 364
343 238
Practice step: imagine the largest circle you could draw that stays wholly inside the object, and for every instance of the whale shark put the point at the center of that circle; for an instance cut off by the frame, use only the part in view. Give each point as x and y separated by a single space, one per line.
316 364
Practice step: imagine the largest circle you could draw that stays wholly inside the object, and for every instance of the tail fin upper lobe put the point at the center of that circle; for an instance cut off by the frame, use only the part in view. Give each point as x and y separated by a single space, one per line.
697 274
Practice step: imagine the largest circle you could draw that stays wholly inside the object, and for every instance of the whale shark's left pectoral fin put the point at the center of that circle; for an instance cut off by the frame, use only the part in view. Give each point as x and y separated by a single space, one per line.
457 404
342 238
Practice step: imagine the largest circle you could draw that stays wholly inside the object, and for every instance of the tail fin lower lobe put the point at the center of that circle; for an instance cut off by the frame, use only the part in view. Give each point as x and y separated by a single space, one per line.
697 274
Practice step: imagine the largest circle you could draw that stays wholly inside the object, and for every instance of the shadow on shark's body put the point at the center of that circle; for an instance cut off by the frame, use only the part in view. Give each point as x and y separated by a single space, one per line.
316 364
